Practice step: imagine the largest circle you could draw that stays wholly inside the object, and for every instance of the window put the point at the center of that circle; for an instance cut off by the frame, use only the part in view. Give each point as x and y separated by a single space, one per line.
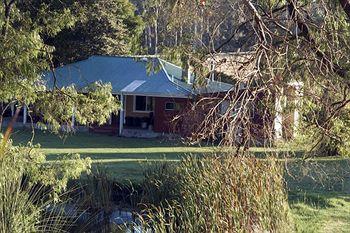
170 106
143 103
238 108
227 106
224 105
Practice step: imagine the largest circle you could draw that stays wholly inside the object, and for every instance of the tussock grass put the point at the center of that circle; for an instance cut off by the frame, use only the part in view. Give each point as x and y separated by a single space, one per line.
216 194
26 206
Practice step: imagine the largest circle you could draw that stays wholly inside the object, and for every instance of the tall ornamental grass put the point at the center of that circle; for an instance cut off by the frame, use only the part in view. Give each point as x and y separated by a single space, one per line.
32 192
216 194
25 206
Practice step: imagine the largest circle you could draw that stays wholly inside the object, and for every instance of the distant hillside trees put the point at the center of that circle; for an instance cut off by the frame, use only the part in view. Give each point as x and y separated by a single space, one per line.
190 25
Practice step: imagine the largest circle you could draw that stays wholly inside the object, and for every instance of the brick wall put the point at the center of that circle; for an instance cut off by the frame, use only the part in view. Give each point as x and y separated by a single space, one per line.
163 119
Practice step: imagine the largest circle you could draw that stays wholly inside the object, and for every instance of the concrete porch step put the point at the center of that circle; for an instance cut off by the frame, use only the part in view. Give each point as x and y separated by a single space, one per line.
104 129
139 133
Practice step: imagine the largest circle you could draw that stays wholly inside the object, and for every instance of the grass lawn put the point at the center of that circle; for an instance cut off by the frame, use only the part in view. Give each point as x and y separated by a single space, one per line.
319 190
123 158
321 212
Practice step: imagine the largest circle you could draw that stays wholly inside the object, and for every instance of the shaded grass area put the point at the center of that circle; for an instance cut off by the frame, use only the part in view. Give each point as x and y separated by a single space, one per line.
84 140
319 195
319 189
319 175
123 158
120 154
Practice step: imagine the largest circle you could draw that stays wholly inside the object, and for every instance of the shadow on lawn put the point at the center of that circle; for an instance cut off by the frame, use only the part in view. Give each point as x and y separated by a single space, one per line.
87 140
318 176
116 156
311 199
124 156
278 153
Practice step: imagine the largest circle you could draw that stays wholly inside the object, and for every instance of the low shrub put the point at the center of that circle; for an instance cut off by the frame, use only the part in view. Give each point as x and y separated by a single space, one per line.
216 194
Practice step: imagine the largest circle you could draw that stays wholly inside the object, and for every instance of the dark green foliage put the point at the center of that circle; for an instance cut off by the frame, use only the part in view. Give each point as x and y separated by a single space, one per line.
104 27
29 186
320 118
25 55
99 196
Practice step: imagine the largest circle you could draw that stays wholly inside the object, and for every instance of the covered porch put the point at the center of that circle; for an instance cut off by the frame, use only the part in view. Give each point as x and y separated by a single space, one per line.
136 112
140 116
143 116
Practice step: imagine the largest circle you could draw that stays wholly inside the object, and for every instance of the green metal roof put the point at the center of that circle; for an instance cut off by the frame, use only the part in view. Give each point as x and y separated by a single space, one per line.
128 75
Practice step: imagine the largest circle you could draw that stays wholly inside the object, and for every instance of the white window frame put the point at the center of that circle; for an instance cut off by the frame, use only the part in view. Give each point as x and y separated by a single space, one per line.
238 107
170 109
226 104
147 99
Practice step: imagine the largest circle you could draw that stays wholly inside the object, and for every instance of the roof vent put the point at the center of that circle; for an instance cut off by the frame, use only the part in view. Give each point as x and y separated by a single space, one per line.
212 71
190 75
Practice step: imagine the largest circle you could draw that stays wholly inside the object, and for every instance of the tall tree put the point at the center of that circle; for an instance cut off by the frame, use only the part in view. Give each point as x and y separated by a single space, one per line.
104 27
24 171
195 24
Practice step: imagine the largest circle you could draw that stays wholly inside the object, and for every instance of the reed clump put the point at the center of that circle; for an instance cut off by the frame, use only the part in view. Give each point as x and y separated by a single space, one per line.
32 192
216 194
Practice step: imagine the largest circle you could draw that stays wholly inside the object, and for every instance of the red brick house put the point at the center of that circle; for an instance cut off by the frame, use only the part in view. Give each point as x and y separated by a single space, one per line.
152 91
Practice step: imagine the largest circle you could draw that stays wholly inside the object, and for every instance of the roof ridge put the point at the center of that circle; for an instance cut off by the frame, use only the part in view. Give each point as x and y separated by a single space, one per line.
71 64
168 77
126 56
170 63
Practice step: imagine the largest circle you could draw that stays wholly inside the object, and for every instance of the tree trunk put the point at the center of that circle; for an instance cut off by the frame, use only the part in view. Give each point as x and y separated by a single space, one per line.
155 38
176 35
149 31
156 32
8 8
180 37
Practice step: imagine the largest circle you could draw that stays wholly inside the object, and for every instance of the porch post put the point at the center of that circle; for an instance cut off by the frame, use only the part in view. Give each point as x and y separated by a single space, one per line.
298 94
12 109
73 118
24 114
110 119
121 114
124 109
278 121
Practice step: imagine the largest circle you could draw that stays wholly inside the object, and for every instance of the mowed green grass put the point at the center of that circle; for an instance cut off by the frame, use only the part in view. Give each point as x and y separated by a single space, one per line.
123 158
324 212
319 189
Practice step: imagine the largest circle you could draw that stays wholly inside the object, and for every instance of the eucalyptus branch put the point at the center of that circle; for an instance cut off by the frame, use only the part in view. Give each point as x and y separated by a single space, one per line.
8 7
